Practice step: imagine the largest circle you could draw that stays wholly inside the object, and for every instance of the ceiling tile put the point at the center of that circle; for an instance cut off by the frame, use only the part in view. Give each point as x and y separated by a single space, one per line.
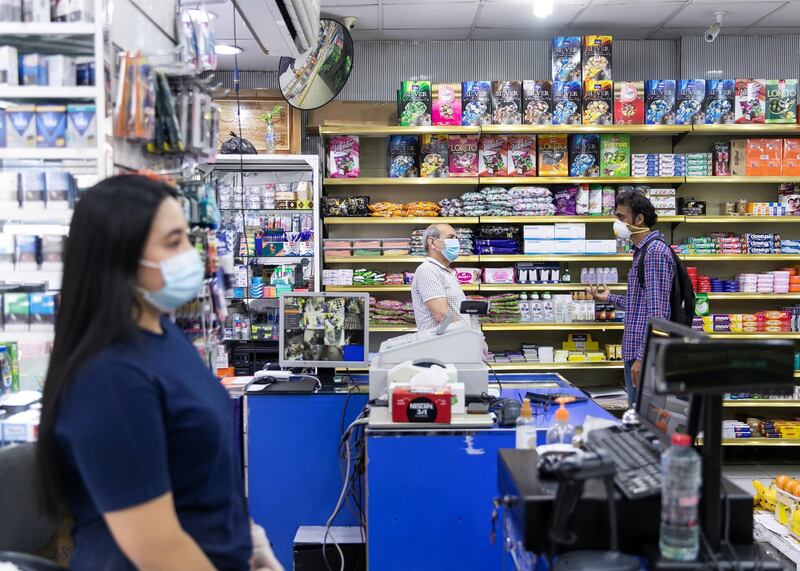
368 16
599 16
742 13
636 33
429 16
787 15
426 34
325 3
518 34
520 15
365 35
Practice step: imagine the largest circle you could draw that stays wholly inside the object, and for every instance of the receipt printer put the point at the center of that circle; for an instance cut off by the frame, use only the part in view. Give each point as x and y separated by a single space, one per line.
421 405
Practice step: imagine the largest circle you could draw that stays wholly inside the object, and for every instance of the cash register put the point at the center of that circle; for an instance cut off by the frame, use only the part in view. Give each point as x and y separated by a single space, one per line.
684 374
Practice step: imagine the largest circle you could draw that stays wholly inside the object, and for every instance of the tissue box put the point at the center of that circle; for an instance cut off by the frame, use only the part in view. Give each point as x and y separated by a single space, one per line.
570 231
539 246
601 246
570 246
539 232
498 275
421 405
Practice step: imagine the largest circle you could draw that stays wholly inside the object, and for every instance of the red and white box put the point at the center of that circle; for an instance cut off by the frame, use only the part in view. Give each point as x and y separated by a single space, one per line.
422 405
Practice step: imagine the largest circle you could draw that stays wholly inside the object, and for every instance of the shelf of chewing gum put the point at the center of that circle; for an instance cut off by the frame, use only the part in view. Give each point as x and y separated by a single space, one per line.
502 160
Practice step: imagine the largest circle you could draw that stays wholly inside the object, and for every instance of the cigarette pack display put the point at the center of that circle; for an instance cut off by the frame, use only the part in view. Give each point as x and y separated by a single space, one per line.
629 102
584 155
25 252
791 157
522 155
343 153
537 102
506 102
689 99
415 104
597 58
615 155
82 126
52 252
719 105
738 160
21 126
476 103
60 190
751 95
16 311
447 104
781 101
60 71
403 156
463 155
42 311
659 97
32 190
493 155
434 161
566 103
9 65
565 58
51 126
32 69
553 155
598 102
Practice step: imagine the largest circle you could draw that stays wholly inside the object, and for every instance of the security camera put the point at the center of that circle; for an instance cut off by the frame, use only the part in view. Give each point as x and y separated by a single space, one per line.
349 22
713 30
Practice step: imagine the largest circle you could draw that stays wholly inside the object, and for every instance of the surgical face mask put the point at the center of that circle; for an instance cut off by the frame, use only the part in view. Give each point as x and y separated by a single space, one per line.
451 249
183 277
623 230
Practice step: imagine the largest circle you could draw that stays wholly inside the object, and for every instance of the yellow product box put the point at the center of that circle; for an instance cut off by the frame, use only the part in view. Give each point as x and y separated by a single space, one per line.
577 357
749 317
595 356
737 327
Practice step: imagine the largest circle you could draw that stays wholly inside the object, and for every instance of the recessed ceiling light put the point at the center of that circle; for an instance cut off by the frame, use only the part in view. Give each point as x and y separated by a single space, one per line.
542 8
227 50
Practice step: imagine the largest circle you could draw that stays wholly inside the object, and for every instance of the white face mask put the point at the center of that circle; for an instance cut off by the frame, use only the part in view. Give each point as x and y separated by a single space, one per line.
622 230
183 277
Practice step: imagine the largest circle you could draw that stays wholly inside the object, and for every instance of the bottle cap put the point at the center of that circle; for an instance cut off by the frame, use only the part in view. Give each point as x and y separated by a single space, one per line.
562 414
525 409
681 440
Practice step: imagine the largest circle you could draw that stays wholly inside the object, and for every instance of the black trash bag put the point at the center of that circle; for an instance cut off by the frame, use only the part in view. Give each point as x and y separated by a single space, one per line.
233 145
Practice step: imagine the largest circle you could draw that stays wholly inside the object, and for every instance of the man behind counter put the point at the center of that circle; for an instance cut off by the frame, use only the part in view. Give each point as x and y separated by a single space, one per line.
435 290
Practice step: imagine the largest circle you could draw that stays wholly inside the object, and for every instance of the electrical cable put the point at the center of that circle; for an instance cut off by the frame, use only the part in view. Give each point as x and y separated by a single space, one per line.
496 378
710 551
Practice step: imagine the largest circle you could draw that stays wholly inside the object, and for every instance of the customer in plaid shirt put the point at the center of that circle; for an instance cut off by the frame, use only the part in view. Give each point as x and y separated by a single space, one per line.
636 217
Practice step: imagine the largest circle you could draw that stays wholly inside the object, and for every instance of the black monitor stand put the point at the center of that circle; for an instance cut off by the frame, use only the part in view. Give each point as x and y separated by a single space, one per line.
327 378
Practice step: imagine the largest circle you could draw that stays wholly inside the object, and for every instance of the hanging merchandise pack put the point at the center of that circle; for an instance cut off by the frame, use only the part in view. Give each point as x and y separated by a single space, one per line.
197 41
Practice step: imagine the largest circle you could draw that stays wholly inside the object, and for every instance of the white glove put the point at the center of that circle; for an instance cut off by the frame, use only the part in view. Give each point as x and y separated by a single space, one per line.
263 557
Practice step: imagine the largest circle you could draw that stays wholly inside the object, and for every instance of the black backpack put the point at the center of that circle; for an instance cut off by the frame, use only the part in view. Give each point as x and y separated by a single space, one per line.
681 295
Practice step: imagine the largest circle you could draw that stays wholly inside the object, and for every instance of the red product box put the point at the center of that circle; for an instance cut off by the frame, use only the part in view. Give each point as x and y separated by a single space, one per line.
421 405
629 102
791 157
772 162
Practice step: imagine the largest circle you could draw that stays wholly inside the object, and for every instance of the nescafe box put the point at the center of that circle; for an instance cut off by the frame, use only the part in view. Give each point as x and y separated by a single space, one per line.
421 405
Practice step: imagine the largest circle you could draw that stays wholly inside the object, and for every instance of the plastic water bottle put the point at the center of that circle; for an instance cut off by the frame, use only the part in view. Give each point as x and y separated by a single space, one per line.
679 538
526 430
524 308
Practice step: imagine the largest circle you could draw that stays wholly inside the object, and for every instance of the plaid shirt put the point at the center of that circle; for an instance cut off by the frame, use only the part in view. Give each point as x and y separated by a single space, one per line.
659 270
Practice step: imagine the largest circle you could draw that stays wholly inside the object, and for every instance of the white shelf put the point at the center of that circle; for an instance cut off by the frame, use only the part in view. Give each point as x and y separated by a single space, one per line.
48 154
53 278
48 92
23 336
38 216
47 28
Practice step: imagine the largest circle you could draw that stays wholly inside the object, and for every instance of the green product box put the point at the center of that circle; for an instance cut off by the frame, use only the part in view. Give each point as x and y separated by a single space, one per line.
9 368
615 155
16 311
416 104
781 101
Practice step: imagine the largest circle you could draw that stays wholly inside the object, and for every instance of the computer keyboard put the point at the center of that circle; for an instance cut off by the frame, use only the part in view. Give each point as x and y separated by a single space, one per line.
636 458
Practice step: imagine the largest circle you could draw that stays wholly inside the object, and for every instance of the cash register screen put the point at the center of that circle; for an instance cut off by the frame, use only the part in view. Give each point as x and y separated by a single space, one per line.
320 330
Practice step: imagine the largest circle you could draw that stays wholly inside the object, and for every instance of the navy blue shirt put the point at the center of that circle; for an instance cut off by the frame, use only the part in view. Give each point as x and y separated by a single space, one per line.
143 419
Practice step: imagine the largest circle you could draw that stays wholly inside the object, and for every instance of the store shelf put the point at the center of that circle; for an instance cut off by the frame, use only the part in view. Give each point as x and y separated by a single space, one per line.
46 29
387 259
739 219
26 336
385 131
33 276
761 441
410 181
413 220
756 296
384 288
740 257
561 219
741 179
556 366
745 129
269 210
39 216
545 287
575 326
761 403
554 258
47 92
48 154
582 180
721 335
631 129
392 328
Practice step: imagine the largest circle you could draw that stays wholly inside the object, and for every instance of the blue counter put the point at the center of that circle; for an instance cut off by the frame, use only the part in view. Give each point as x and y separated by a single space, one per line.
428 495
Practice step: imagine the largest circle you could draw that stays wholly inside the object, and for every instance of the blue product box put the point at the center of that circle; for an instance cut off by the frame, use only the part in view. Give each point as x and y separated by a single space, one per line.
81 126
2 128
21 126
51 126
659 99
565 58
584 155
689 99
567 103
32 189
42 311
32 69
719 102
476 103
26 252
60 189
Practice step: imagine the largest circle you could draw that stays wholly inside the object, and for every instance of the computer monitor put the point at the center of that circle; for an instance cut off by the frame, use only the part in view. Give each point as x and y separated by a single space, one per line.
666 413
324 330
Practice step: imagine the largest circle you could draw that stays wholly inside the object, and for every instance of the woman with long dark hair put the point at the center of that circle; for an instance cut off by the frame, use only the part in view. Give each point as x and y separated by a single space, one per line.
136 434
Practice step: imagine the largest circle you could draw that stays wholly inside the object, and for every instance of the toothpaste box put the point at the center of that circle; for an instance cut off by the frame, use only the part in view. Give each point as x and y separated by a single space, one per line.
51 126
537 102
21 126
81 126
629 102
659 101
719 105
689 99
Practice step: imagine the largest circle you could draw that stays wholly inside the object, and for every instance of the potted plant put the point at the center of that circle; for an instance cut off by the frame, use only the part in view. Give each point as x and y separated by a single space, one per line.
269 138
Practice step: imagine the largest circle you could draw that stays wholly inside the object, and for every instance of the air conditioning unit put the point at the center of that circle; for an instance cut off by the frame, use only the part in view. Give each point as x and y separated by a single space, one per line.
282 27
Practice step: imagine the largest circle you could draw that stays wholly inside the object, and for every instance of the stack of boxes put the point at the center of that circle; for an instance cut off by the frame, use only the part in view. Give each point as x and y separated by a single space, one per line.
28 311
565 239
765 157
663 200
699 164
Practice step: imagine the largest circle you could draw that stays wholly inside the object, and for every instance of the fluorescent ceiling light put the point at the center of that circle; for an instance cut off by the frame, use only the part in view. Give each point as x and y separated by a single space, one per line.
542 8
227 50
